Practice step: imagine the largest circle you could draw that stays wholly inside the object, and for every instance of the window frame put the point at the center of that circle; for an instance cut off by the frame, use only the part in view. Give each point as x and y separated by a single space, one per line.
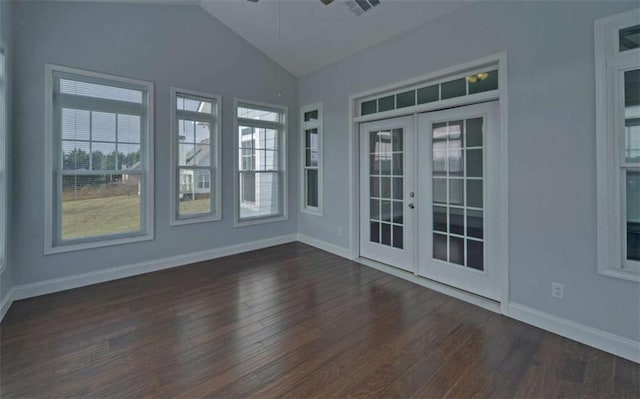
54 244
215 165
4 127
304 126
610 65
282 128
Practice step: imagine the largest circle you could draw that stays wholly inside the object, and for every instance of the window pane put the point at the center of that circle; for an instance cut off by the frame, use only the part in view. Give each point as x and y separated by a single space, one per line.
440 247
75 155
203 133
75 124
456 250
103 156
311 116
454 88
97 205
129 156
100 91
186 131
194 191
369 107
258 114
428 94
633 214
129 129
629 38
386 103
261 196
632 115
483 81
406 99
193 105
103 126
312 187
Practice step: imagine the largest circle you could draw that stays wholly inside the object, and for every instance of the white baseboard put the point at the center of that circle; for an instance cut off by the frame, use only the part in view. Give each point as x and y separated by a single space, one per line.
615 344
80 280
325 246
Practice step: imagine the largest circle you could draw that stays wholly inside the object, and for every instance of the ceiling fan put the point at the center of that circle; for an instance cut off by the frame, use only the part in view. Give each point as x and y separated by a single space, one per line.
358 7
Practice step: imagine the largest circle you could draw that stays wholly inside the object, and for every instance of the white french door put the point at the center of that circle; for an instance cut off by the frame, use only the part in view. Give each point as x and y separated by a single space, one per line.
387 192
459 188
430 206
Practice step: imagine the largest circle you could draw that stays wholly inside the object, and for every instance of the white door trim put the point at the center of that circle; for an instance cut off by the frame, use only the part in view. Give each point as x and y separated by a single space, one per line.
354 160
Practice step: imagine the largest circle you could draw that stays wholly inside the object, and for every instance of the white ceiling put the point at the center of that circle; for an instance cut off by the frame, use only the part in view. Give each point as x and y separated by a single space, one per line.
313 35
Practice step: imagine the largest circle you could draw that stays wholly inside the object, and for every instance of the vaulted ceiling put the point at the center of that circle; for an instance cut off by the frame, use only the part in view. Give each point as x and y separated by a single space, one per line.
305 35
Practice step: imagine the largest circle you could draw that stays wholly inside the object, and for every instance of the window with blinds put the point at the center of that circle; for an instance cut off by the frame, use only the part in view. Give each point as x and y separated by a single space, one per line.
260 171
196 145
100 150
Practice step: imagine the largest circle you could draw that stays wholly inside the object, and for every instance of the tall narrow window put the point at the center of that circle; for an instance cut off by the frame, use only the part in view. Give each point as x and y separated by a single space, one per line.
311 121
195 166
260 163
3 154
618 144
99 165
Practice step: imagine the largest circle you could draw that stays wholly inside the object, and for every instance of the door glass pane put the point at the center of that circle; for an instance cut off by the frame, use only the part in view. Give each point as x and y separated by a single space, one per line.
386 187
633 214
629 38
440 247
456 250
458 192
475 254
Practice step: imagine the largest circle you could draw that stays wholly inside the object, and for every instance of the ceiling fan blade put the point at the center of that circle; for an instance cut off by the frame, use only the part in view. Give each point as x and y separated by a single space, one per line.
326 2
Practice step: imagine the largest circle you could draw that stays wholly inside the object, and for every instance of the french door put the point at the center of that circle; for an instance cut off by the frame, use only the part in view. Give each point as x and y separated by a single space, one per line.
459 187
447 201
387 192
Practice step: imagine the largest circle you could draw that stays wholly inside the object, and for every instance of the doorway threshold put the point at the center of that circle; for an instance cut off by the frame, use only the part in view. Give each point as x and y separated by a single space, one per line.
485 303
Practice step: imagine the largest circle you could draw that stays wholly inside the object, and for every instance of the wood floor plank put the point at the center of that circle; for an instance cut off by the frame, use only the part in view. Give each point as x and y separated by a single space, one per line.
287 321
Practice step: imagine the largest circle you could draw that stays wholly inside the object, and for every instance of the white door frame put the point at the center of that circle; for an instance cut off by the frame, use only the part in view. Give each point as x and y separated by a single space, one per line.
499 59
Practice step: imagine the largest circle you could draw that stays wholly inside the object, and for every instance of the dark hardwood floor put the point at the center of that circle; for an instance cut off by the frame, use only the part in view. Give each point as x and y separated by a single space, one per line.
288 321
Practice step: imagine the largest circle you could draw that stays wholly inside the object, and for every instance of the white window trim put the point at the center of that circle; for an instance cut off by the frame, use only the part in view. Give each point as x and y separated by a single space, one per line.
3 166
317 211
147 212
216 212
283 159
609 64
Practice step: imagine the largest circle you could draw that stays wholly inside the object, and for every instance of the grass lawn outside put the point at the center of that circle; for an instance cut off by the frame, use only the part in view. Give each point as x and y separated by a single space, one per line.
100 216
191 207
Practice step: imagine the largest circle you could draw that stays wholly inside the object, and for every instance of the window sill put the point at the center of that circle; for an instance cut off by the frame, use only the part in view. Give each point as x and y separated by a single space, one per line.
195 220
256 221
621 274
311 211
52 250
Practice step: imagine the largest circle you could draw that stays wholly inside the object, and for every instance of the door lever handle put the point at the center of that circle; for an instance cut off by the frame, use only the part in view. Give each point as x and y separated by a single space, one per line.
411 206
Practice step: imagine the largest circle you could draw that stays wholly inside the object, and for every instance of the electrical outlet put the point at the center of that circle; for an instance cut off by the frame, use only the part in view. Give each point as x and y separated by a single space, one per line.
340 230
557 290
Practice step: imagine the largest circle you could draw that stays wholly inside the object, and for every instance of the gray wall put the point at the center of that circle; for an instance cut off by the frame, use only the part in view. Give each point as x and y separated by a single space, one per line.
552 168
179 46
6 276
